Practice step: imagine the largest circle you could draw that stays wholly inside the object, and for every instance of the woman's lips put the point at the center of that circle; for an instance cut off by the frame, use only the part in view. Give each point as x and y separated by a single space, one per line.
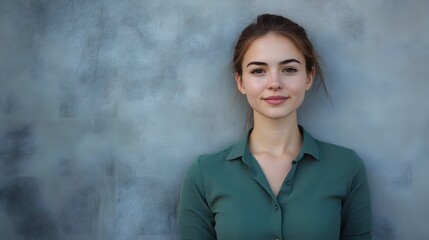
275 100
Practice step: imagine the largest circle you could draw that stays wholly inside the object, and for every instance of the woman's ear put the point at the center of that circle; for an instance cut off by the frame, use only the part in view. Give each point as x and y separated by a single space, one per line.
240 84
310 78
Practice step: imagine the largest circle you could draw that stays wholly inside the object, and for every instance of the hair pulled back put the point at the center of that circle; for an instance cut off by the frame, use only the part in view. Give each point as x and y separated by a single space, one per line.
269 23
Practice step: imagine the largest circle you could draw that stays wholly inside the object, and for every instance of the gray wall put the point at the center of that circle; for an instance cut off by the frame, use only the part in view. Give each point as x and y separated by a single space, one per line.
105 103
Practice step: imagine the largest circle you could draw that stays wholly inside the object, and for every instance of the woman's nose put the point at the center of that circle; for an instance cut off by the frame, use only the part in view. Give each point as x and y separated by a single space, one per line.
274 82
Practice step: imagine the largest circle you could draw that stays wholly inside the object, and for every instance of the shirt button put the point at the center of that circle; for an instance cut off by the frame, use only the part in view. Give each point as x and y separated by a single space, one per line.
276 207
289 182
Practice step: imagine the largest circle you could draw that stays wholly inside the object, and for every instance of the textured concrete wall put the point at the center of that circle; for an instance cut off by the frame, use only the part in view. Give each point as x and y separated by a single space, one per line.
105 103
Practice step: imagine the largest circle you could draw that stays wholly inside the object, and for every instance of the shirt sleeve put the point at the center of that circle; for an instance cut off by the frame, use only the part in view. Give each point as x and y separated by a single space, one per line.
356 213
195 218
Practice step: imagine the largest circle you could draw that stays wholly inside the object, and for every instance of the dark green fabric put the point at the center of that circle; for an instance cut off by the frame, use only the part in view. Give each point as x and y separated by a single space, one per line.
325 196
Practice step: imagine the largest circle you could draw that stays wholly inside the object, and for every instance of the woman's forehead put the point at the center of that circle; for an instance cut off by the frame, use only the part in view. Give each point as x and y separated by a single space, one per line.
272 47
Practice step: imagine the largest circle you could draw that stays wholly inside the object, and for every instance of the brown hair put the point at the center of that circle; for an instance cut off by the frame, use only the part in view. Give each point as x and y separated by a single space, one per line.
267 23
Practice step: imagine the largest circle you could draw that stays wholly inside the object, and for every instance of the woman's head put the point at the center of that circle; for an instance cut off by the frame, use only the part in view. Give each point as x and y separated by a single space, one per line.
268 23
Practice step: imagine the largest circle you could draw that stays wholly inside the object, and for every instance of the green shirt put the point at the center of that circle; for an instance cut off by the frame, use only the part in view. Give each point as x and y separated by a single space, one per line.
325 196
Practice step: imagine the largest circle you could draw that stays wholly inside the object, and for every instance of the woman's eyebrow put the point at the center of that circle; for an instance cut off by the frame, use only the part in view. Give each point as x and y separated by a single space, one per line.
257 63
289 61
280 63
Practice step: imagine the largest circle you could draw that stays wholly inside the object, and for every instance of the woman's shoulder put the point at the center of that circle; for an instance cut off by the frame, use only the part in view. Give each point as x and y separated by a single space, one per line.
211 163
328 147
339 155
330 153
216 157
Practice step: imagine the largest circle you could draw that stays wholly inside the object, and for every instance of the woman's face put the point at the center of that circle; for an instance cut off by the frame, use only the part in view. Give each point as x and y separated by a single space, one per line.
274 77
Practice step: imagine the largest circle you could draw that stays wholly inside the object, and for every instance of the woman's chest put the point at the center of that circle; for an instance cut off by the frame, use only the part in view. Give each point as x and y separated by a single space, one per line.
247 211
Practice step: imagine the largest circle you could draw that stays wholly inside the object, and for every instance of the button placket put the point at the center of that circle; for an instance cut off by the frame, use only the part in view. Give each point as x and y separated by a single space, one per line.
289 178
277 220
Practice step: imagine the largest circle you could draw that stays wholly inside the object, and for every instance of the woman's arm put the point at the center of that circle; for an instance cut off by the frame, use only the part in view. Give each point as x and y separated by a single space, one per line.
356 213
195 218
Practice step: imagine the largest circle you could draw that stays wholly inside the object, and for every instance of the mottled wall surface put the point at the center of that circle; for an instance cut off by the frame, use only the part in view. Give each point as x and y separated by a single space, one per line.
103 105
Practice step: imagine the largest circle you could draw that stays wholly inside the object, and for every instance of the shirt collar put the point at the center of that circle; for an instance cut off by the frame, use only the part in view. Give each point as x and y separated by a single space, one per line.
309 146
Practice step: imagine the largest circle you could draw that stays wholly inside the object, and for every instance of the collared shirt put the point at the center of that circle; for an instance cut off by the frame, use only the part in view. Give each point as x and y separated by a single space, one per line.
324 196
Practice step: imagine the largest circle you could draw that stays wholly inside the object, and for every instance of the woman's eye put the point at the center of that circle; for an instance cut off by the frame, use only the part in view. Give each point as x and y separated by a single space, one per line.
289 70
257 71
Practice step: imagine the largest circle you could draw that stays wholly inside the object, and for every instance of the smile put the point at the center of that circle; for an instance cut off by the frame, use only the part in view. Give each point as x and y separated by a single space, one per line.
275 100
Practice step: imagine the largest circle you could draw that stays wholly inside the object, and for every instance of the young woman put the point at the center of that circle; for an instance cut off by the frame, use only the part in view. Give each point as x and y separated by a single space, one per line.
278 182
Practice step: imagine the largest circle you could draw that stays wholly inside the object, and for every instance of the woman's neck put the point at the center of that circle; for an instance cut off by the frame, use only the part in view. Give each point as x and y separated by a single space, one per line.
275 137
